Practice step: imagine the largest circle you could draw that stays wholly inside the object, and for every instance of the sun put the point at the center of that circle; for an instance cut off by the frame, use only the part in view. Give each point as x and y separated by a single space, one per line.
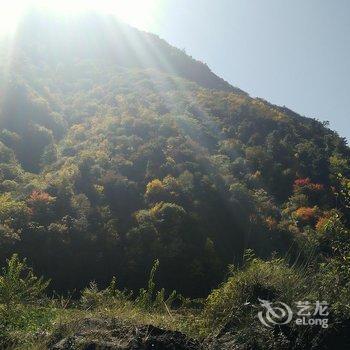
9 15
138 13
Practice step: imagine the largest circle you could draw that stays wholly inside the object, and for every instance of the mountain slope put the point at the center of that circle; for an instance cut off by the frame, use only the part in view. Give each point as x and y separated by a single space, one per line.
51 39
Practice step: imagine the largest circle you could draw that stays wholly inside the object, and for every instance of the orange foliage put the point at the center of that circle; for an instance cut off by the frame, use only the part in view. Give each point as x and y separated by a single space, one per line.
271 223
305 213
39 203
321 223
316 187
38 196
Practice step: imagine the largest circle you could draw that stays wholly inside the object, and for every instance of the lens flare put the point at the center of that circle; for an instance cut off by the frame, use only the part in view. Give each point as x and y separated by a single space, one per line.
139 13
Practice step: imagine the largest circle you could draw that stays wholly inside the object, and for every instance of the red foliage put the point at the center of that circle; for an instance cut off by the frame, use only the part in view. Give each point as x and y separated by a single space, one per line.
39 203
307 184
302 182
38 196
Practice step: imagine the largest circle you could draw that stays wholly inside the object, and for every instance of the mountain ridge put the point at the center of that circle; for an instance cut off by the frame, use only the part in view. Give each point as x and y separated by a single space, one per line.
112 40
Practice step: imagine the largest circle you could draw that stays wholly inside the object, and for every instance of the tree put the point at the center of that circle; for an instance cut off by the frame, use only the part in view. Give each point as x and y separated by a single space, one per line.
41 206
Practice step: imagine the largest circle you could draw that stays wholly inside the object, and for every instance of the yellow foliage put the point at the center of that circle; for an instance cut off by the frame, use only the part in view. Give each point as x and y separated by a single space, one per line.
156 208
154 187
10 207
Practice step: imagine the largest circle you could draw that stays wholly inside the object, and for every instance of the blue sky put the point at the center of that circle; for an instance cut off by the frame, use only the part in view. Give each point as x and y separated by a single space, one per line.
293 53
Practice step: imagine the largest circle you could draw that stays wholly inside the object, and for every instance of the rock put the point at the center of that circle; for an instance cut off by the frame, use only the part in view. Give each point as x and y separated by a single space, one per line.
224 342
113 334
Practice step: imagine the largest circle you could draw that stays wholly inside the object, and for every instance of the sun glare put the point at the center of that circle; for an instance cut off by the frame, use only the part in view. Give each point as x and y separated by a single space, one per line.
138 13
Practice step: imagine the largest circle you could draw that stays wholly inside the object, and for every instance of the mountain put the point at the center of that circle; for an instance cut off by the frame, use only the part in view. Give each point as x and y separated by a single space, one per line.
118 149
119 152
97 37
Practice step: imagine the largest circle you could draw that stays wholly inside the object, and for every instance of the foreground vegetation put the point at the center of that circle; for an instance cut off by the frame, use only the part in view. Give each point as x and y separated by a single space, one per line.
32 320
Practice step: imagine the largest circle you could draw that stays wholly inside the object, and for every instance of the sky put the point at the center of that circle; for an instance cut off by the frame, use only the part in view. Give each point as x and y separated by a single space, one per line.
293 53
290 52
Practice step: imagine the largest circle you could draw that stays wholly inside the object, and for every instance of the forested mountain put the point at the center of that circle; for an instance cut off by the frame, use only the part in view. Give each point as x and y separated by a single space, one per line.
51 40
118 149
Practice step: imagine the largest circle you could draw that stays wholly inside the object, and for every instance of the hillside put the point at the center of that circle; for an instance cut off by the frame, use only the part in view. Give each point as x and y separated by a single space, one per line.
91 36
118 150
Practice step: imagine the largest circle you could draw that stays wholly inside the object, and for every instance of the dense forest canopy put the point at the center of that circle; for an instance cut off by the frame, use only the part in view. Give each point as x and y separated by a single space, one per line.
117 149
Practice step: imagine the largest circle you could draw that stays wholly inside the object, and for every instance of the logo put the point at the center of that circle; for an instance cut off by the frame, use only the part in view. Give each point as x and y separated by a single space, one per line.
277 313
308 314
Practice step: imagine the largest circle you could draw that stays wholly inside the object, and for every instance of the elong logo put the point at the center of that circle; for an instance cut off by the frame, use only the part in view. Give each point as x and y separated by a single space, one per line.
308 314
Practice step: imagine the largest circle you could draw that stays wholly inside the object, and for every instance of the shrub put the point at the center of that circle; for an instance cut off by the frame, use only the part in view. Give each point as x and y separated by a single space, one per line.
92 297
19 285
236 300
150 298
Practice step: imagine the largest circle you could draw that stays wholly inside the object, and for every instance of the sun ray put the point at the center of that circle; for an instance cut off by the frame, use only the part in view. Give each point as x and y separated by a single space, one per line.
138 13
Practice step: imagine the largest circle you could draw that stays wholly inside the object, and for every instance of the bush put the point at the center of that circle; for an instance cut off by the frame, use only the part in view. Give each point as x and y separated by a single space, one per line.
236 300
92 297
20 289
19 285
150 299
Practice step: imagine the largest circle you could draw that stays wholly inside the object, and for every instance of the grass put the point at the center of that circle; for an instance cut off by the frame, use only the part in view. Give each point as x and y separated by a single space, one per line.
31 324
35 326
231 302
